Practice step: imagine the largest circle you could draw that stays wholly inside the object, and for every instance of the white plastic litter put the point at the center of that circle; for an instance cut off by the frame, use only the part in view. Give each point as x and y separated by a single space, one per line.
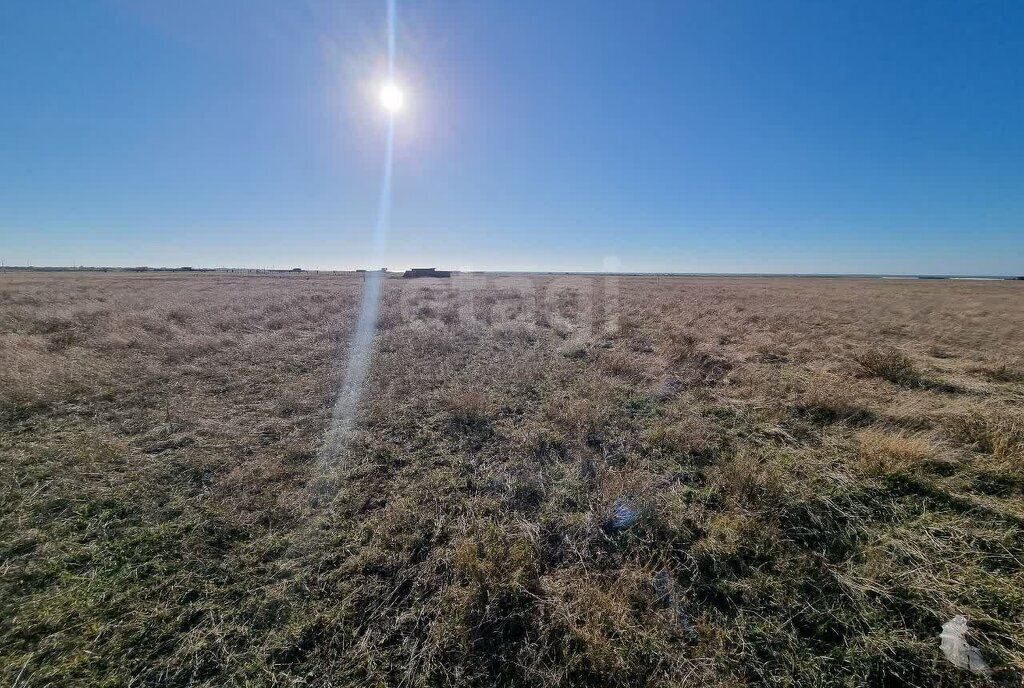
957 649
623 515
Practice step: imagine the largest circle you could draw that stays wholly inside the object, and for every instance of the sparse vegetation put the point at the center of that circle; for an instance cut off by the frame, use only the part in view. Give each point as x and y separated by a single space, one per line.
745 482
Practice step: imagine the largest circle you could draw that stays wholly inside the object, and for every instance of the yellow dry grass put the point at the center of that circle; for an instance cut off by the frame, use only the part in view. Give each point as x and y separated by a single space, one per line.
552 481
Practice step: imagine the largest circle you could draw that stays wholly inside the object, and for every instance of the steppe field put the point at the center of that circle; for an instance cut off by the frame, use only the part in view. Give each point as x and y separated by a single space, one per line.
582 480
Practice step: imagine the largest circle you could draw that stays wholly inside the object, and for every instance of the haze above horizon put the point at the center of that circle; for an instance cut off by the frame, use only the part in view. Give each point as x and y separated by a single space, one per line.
729 136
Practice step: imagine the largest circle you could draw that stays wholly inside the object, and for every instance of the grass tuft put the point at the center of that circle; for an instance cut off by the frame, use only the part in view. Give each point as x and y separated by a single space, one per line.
890 364
884 453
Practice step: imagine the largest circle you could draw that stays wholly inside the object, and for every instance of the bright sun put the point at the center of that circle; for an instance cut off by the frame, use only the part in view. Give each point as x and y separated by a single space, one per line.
391 97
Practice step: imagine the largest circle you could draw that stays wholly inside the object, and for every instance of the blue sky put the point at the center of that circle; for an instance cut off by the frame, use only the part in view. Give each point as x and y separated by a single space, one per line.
690 135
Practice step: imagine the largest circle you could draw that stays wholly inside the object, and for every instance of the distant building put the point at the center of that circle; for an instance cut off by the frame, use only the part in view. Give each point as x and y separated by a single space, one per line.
427 272
296 269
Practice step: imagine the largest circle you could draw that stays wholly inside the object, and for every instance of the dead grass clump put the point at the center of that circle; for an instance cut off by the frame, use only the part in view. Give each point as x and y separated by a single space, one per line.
682 344
691 435
709 368
33 376
389 317
488 610
58 341
543 444
517 331
191 347
770 351
991 431
581 419
730 536
610 627
884 453
625 364
182 315
750 477
50 323
1002 372
115 341
470 409
576 351
664 389
626 326
890 364
294 402
937 351
703 365
498 560
830 399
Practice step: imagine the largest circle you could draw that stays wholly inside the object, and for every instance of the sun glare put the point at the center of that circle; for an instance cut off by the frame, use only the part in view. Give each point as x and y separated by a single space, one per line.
391 97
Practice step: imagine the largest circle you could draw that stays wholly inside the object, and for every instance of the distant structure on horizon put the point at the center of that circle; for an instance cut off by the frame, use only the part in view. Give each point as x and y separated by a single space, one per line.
427 272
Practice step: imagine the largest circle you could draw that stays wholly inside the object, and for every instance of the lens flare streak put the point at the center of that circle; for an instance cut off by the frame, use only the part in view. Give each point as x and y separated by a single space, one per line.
346 406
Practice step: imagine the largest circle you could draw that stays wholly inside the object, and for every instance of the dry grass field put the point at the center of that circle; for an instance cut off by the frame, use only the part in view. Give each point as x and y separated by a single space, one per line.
552 481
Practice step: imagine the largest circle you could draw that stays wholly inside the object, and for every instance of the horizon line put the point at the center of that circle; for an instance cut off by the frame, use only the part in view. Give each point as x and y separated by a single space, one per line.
598 273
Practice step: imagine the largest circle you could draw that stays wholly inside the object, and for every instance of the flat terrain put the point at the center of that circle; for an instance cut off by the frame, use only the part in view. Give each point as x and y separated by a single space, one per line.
552 481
